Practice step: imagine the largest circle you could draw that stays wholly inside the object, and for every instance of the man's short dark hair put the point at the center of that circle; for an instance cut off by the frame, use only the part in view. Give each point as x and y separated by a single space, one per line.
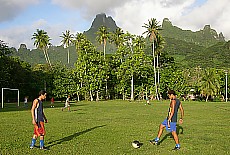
42 92
171 92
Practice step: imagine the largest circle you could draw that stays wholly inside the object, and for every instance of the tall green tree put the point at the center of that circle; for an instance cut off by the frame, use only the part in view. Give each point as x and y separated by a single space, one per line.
210 83
67 39
102 37
152 30
64 83
90 69
78 39
159 48
42 42
4 49
117 37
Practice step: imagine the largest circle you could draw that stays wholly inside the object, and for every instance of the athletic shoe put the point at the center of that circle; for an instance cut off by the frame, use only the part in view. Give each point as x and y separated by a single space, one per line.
176 148
154 142
31 147
44 148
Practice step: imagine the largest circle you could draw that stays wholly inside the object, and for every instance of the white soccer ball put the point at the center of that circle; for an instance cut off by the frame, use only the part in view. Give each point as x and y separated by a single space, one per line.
136 144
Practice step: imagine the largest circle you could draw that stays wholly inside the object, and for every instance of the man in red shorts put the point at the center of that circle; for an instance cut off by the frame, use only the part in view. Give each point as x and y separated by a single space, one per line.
38 119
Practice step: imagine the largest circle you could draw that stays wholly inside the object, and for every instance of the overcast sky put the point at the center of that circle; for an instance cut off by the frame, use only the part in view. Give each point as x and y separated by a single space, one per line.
19 19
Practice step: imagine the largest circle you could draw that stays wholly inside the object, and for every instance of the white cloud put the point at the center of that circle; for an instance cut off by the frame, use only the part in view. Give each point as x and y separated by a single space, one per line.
211 13
133 15
9 9
130 15
23 34
90 8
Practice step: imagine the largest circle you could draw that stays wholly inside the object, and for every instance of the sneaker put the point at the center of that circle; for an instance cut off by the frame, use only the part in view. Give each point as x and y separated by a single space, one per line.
154 142
176 148
44 148
31 147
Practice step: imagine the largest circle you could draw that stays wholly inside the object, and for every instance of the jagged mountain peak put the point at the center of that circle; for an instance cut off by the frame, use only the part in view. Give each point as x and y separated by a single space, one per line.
103 20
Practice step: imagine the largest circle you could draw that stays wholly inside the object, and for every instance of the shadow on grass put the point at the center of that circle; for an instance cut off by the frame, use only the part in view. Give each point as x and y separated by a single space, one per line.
70 137
178 128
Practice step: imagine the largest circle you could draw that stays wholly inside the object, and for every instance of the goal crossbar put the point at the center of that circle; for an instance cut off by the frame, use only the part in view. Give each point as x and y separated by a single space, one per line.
9 89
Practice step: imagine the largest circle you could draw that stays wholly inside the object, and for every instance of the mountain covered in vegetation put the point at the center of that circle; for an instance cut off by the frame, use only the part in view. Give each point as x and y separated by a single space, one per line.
204 48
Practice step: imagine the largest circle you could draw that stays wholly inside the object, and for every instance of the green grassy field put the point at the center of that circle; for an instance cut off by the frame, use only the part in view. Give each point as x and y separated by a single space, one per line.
109 127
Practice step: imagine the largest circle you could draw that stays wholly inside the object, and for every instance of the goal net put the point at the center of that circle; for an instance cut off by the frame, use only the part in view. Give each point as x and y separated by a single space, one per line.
10 96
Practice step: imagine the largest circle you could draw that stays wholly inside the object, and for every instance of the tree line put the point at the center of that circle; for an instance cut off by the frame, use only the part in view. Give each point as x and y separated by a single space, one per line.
133 72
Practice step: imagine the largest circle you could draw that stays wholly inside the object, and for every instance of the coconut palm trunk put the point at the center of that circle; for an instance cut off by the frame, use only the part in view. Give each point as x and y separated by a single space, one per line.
44 52
48 58
158 76
91 95
132 89
104 48
68 56
97 99
155 75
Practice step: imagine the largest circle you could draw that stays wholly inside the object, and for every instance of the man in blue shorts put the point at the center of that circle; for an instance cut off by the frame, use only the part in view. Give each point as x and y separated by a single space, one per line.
171 120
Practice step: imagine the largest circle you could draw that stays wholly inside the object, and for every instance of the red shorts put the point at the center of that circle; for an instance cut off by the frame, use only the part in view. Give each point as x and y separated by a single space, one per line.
39 129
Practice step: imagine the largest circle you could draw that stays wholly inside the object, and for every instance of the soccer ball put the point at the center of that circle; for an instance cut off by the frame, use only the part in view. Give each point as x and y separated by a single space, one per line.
136 144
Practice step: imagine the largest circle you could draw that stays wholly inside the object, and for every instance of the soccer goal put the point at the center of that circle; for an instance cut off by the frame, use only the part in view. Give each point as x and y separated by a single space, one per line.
10 90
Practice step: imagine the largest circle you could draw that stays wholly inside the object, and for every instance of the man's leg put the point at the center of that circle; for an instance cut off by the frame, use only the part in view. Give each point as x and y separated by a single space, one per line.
41 141
160 131
42 134
175 136
33 141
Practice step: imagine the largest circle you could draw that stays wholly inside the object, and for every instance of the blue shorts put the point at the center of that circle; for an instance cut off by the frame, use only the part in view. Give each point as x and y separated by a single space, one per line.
172 125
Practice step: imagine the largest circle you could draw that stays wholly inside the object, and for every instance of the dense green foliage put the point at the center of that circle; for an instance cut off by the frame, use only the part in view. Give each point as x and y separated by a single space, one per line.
134 70
109 127
190 55
18 74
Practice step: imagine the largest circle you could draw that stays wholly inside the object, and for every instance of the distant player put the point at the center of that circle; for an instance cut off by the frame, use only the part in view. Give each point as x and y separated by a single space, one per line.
171 120
38 119
67 103
147 100
52 102
26 101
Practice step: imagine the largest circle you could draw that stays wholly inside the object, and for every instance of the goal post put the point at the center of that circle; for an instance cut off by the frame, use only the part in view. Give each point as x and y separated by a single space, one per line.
3 95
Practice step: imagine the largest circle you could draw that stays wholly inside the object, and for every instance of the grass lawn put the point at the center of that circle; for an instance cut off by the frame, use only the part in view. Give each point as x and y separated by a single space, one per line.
109 127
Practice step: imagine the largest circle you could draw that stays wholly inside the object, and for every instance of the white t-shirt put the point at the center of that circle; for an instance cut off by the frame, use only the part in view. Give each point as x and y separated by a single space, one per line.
67 102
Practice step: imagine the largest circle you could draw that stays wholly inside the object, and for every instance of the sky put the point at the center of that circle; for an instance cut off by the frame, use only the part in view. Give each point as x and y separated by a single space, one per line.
19 19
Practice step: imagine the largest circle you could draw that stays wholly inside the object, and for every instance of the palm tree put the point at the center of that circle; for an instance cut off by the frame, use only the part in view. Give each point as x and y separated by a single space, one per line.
210 83
103 36
152 30
159 47
118 37
66 41
42 42
78 39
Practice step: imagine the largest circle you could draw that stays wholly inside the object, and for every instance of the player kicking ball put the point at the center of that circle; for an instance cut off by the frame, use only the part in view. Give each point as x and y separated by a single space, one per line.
171 120
38 119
